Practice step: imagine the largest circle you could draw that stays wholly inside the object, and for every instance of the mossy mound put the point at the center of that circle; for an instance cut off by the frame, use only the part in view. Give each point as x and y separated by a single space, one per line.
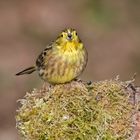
77 111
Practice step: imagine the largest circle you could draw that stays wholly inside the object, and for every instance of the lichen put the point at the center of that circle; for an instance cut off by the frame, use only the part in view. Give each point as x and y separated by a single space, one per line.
77 111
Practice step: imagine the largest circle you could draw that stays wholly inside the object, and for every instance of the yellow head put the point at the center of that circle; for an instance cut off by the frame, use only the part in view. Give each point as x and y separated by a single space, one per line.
68 35
69 40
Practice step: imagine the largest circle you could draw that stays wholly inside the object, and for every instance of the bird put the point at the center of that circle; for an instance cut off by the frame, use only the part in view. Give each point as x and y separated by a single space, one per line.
62 61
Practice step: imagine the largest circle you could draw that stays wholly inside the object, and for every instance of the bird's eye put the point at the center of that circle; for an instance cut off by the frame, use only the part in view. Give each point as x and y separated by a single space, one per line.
61 35
76 33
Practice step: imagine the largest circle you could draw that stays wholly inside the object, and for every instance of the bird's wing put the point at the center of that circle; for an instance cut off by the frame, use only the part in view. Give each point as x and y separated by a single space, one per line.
40 60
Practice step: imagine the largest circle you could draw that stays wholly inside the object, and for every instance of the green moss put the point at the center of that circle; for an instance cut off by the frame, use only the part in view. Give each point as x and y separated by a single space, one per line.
77 111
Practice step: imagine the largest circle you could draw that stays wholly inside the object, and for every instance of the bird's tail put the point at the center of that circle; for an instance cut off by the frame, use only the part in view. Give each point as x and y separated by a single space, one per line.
27 71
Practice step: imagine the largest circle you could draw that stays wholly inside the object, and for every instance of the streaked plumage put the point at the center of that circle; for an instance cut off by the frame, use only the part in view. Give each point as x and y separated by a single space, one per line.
61 61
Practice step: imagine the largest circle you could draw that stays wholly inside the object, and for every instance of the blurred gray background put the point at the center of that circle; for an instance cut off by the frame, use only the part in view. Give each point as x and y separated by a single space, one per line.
109 29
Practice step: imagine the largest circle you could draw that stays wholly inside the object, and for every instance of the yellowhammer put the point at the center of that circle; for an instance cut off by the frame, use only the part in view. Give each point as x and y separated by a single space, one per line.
62 60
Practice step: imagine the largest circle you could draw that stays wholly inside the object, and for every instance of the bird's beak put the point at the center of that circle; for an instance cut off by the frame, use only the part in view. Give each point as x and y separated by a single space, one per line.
69 37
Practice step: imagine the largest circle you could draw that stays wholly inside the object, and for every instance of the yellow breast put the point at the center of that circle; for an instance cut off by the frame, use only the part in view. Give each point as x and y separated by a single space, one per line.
66 65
